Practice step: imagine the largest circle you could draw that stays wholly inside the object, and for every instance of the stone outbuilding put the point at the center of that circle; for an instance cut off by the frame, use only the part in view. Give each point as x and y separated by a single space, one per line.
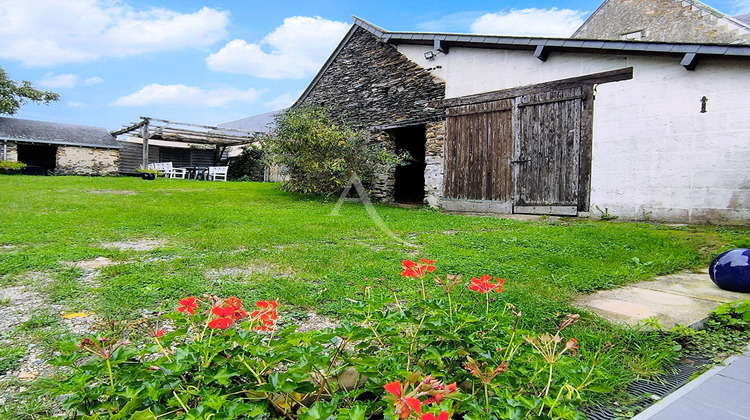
64 149
664 21
637 129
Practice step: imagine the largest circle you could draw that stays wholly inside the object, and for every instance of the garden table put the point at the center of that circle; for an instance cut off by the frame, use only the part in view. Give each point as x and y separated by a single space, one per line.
197 172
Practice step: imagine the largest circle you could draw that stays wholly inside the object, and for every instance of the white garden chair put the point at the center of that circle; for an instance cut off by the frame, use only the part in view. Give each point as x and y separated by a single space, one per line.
167 169
218 173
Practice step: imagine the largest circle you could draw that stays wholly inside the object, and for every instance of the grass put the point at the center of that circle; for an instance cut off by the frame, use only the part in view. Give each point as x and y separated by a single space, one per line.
257 242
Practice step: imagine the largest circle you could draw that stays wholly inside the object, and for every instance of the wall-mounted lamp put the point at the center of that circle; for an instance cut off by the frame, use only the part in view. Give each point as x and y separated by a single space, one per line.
704 101
429 55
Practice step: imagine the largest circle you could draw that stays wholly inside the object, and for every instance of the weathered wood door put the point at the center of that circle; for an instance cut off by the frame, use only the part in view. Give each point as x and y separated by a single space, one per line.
548 142
478 150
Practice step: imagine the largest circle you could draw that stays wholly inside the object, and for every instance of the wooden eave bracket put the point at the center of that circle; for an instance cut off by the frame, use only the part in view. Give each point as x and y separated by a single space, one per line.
441 46
690 61
541 52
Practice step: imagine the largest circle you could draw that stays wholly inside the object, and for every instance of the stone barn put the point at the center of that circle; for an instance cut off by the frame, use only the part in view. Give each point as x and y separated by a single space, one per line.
638 129
64 149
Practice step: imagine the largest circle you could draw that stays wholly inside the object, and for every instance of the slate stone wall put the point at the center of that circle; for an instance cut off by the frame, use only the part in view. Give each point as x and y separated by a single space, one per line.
370 84
87 161
662 21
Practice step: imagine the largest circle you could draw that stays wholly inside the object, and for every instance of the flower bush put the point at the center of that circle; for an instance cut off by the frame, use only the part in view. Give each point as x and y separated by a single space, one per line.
447 356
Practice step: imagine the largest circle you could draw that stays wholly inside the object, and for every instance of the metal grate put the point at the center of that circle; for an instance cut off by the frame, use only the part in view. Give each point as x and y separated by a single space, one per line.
649 392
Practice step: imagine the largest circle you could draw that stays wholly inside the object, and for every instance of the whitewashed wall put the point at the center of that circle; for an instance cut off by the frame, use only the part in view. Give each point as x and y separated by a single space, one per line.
655 156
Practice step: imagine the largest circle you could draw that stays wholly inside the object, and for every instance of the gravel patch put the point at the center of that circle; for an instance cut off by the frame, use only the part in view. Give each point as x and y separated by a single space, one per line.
139 245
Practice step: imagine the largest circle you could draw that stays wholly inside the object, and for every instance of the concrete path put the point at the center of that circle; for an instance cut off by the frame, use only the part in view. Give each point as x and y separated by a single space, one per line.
721 393
684 298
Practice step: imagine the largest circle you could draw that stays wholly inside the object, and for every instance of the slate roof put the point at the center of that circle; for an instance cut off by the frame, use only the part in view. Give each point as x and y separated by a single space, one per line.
261 123
539 46
32 131
744 18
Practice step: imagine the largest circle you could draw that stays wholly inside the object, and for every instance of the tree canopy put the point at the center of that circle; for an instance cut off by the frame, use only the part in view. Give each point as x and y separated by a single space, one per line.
13 95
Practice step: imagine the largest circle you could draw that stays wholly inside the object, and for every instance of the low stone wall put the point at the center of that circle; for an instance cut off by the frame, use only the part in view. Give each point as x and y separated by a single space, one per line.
87 161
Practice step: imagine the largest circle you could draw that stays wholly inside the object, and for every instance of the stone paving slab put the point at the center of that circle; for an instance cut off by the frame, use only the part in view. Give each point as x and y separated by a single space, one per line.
685 299
721 393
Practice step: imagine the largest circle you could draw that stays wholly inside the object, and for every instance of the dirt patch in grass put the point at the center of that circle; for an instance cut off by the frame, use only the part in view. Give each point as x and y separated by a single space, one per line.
118 192
137 245
247 271
90 268
315 322
94 264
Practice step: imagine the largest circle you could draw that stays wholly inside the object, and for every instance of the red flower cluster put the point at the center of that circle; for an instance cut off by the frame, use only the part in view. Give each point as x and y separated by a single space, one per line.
484 284
188 305
413 269
266 314
407 404
403 405
225 314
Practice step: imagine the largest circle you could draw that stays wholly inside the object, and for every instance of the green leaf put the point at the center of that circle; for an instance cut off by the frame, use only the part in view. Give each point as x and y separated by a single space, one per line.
222 376
143 415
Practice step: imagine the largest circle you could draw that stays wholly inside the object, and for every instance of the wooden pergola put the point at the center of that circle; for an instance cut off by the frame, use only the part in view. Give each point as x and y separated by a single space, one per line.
156 129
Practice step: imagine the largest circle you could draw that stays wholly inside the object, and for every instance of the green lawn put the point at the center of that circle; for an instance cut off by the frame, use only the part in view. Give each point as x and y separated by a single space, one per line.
257 242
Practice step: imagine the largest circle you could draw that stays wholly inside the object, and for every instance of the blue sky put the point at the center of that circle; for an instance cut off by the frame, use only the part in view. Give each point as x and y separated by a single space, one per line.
208 62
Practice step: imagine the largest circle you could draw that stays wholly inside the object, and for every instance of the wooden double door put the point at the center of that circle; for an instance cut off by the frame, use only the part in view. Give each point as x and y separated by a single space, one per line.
524 151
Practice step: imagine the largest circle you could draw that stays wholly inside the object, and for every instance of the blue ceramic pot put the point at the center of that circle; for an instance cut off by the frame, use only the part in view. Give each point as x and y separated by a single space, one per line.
731 270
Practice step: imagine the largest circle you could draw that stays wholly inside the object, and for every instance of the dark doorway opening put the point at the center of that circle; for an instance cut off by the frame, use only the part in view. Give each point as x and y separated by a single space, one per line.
409 178
40 159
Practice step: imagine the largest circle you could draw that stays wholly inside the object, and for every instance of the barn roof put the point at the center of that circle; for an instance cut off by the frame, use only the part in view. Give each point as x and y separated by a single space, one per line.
32 131
261 123
540 47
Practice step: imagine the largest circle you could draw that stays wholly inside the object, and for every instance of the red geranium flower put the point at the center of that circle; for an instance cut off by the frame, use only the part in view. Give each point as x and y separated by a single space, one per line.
403 406
223 318
266 314
188 304
484 284
413 269
220 323
159 333
235 305
572 344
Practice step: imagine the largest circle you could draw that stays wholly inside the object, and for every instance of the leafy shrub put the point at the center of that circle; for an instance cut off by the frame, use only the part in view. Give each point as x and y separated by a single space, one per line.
457 355
248 166
9 167
320 155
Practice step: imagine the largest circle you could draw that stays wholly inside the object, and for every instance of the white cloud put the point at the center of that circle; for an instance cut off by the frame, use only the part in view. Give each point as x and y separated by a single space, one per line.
67 81
59 81
186 96
530 22
283 101
455 22
297 49
741 7
75 104
49 32
93 81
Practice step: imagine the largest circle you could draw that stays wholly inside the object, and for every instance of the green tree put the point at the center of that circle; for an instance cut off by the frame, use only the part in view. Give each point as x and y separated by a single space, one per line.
320 154
13 95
